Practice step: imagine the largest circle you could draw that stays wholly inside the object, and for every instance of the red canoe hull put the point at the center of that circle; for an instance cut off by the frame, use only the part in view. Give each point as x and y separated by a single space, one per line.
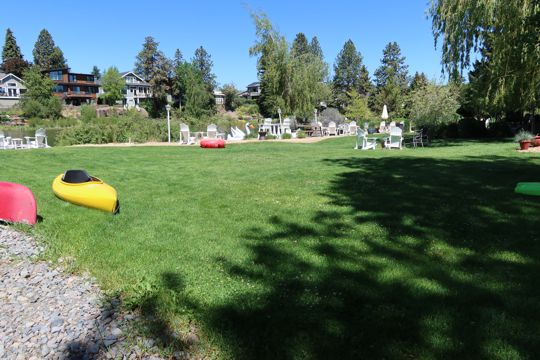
212 143
17 204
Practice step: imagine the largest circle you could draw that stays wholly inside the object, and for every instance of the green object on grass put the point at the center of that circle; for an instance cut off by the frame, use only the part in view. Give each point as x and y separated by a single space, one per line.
528 188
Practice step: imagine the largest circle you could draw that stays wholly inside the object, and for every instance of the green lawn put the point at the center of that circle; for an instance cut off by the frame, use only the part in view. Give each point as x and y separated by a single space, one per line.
281 251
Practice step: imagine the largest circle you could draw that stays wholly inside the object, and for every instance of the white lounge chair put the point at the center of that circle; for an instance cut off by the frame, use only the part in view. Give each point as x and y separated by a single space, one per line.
185 136
211 131
286 127
331 130
5 142
352 128
363 142
382 127
395 140
39 140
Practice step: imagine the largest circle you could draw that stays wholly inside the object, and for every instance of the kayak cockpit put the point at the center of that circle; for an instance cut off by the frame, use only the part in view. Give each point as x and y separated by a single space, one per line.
78 177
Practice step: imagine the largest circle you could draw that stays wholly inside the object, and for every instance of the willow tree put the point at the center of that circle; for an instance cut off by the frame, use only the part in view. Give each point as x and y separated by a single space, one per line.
510 29
291 79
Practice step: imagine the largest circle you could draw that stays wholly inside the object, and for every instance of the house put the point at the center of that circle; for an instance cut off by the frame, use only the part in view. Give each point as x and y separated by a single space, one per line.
74 88
136 89
219 98
11 89
253 91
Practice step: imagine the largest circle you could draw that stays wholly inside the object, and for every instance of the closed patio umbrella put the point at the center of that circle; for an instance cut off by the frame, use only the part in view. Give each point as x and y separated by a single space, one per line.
384 114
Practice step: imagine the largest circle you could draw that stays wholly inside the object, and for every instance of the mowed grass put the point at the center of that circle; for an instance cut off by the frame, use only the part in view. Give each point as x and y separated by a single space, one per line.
282 251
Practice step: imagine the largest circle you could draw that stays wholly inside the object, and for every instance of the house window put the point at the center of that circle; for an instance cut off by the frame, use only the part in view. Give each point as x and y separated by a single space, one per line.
76 89
55 75
59 89
90 78
12 84
72 78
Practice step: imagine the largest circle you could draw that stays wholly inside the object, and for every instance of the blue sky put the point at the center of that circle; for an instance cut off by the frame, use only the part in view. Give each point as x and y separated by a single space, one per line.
106 33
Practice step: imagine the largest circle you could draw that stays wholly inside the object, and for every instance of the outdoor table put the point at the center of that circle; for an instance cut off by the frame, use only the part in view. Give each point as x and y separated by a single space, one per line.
17 143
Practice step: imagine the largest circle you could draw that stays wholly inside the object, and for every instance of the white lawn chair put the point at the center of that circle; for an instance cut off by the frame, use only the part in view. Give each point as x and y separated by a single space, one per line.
395 140
185 135
266 126
286 127
5 142
352 128
331 130
382 127
363 142
211 131
39 140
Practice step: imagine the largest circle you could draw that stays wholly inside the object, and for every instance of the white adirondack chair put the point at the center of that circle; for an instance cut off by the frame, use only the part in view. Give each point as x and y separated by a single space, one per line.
286 127
211 131
5 142
363 142
382 127
331 130
267 125
185 135
395 140
352 128
39 140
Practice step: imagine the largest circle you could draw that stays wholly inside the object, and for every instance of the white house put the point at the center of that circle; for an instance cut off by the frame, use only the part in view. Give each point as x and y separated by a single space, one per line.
11 89
136 89
219 97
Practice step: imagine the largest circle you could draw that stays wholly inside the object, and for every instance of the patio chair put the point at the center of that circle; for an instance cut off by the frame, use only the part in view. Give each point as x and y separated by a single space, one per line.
352 128
39 140
363 142
382 127
5 142
286 127
266 126
331 129
395 140
211 131
420 137
185 135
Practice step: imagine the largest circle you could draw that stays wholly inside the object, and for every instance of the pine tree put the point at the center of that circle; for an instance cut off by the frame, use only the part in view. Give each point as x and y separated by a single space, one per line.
96 72
391 79
46 54
11 50
349 74
418 81
203 62
178 58
315 48
300 45
153 66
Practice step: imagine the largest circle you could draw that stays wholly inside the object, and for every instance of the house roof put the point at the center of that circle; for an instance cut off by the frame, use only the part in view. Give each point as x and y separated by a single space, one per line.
218 93
256 83
125 73
4 75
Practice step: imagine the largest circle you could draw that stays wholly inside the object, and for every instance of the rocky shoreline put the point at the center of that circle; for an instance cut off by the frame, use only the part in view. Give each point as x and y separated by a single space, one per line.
47 313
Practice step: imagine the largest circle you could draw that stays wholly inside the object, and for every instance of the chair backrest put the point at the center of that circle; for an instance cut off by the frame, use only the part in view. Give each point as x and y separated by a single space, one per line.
360 133
184 133
268 121
396 131
366 125
211 131
287 122
352 123
184 127
332 125
40 132
392 123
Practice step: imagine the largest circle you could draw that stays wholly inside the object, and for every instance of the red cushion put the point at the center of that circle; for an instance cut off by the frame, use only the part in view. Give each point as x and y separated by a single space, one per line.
212 143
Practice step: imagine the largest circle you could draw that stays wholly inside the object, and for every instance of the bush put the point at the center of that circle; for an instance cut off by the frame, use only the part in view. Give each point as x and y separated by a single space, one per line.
286 136
88 113
270 137
523 135
300 134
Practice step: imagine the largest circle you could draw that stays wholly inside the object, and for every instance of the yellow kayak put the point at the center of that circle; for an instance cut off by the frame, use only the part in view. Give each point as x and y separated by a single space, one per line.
79 188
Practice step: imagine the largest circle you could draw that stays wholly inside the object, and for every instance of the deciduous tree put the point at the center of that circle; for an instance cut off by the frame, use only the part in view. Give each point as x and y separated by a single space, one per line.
113 85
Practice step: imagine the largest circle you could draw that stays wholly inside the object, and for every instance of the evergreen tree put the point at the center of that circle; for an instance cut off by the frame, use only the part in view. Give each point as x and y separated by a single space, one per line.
113 85
315 48
153 66
203 62
232 99
349 74
192 91
46 54
300 45
419 80
391 80
178 58
11 50
96 72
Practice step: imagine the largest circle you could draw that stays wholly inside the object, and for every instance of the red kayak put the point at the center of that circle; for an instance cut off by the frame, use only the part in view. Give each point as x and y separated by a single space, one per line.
17 204
212 143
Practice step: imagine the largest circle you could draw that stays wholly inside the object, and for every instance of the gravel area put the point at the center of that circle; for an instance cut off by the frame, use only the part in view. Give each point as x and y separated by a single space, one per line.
47 313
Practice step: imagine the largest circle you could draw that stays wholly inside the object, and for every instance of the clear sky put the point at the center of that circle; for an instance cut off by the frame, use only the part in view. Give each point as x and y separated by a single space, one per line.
106 33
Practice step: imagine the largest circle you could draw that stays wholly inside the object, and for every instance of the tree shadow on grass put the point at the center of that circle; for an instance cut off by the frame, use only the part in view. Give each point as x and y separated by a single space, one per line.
412 257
